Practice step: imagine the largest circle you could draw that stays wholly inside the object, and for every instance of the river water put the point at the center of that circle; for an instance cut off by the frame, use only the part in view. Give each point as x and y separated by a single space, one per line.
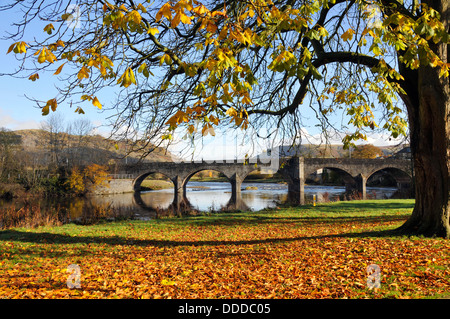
203 196
206 196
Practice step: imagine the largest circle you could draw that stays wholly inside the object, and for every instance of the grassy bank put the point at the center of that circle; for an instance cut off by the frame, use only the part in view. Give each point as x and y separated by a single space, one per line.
156 184
301 252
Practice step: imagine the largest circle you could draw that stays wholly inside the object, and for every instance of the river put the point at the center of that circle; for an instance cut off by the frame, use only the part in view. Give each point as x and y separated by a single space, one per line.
203 196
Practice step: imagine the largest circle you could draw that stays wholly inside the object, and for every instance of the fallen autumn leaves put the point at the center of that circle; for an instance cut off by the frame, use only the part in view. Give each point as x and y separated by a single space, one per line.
290 253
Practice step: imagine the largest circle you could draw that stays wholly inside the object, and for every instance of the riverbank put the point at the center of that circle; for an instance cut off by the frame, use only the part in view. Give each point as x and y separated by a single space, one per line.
153 185
247 180
297 252
10 191
149 185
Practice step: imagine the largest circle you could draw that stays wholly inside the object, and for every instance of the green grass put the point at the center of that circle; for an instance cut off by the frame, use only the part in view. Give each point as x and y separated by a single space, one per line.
292 252
333 212
156 184
326 212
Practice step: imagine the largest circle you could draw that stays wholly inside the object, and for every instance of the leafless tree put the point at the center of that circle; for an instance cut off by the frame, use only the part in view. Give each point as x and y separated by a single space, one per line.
54 126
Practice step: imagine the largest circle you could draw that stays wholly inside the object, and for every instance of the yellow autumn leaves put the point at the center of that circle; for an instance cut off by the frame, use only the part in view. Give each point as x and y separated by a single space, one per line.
184 117
205 16
18 47
117 17
94 100
180 15
222 58
225 79
129 18
92 176
127 78
348 35
50 104
45 54
240 119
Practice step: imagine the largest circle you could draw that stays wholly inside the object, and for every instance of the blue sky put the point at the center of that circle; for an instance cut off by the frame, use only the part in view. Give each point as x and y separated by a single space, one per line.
17 112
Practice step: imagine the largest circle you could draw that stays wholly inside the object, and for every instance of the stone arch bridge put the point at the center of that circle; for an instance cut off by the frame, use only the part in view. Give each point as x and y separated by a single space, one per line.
295 170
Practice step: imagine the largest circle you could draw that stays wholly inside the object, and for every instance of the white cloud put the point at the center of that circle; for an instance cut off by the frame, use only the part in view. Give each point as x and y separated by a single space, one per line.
11 123
377 139
225 146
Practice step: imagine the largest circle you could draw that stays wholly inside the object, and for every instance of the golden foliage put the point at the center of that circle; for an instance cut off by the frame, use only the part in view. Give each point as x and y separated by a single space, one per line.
90 178
278 258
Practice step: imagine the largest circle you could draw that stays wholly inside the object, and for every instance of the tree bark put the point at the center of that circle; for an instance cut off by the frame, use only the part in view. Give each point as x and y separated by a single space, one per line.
428 112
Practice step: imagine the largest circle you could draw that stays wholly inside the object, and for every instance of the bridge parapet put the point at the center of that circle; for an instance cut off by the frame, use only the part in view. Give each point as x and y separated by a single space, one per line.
356 166
187 169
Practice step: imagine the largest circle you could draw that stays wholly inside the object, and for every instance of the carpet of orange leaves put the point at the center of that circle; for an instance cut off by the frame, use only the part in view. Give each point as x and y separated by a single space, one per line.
282 258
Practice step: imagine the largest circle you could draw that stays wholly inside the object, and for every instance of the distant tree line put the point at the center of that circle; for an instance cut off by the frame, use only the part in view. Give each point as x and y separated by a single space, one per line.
61 163
10 144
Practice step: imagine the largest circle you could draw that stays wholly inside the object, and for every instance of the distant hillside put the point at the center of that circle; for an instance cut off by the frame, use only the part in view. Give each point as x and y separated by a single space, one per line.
64 148
40 148
327 151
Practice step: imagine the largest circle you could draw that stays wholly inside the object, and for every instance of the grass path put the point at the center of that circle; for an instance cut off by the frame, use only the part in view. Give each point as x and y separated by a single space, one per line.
302 252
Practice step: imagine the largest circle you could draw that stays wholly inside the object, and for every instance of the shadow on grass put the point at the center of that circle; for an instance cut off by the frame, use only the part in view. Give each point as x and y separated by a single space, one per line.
357 206
341 209
222 220
332 213
49 238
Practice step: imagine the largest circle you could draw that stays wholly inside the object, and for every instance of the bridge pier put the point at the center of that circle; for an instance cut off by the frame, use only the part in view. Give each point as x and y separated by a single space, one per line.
236 195
358 184
361 182
236 183
301 178
294 173
179 194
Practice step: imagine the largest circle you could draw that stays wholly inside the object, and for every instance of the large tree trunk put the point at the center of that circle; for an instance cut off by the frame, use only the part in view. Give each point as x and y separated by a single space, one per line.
430 132
428 113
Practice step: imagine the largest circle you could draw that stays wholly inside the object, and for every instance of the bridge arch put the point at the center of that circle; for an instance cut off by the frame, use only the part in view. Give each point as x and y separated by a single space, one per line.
401 177
252 181
137 182
200 169
337 167
348 179
204 199
397 170
263 171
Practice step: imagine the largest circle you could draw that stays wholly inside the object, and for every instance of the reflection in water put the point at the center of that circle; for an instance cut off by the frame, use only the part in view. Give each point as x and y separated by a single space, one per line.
160 199
202 196
205 196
